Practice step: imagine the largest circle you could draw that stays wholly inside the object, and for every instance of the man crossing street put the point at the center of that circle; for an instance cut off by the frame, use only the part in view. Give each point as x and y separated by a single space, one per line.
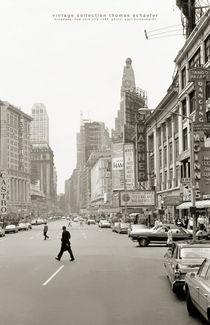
65 245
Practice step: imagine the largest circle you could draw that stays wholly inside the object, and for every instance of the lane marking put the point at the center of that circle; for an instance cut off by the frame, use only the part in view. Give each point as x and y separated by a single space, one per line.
52 276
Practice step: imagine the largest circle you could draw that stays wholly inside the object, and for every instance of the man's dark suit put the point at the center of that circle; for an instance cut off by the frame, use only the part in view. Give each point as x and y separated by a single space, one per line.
65 244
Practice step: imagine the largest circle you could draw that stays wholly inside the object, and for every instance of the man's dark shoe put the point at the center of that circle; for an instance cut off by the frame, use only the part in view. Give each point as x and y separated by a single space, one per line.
58 259
72 259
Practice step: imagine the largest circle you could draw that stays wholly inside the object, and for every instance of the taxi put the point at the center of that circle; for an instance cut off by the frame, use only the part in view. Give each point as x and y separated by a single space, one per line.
183 257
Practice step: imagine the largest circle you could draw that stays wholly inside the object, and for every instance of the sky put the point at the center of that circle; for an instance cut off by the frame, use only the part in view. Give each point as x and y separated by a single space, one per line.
75 66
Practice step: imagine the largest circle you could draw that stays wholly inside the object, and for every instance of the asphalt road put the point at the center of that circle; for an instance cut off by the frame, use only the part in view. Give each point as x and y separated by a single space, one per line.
113 281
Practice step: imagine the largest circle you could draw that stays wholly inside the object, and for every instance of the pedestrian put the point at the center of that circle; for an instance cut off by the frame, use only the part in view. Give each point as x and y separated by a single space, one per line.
45 230
69 225
170 237
65 245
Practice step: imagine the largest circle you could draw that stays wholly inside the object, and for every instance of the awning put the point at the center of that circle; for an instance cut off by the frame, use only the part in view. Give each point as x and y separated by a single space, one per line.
199 205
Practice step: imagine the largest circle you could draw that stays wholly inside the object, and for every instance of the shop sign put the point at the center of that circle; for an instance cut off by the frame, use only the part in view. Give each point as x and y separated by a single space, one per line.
141 149
137 198
3 191
129 166
205 170
172 200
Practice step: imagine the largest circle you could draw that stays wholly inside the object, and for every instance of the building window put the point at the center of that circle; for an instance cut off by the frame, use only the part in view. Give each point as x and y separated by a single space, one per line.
170 178
165 156
185 142
184 107
152 163
160 158
195 61
170 153
207 89
177 176
161 182
164 131
169 128
192 101
165 180
177 148
207 49
183 76
175 123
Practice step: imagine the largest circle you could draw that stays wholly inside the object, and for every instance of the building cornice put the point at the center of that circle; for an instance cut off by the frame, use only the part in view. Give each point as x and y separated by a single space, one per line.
194 37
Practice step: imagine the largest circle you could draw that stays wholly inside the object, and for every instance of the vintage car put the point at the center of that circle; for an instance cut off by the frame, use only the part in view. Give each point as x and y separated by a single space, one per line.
197 287
104 224
11 228
183 257
22 226
160 236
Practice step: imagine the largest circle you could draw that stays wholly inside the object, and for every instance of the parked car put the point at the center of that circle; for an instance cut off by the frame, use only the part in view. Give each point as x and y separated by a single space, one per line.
91 222
76 219
11 228
184 257
159 235
22 226
2 232
122 228
197 287
29 225
104 224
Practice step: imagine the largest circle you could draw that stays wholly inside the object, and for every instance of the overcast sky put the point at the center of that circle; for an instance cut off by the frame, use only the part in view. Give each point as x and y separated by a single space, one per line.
76 66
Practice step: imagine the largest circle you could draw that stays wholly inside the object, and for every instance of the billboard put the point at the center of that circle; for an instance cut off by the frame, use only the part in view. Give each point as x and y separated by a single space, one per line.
117 167
129 163
137 198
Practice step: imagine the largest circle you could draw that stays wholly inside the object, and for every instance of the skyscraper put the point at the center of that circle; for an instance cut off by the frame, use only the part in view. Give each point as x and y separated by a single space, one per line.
40 124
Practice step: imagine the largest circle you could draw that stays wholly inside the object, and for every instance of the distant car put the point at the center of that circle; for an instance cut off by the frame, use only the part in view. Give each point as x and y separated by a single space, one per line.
22 226
104 224
29 225
76 219
2 232
122 228
184 257
11 228
160 236
91 222
197 287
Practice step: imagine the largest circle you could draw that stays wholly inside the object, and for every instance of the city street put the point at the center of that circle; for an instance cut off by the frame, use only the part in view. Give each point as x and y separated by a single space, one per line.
112 281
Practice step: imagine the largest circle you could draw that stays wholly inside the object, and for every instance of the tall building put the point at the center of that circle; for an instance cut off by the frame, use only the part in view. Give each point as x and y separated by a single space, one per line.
43 172
15 157
40 124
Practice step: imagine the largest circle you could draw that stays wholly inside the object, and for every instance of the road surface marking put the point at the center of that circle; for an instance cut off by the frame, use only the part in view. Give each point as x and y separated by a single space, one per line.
52 276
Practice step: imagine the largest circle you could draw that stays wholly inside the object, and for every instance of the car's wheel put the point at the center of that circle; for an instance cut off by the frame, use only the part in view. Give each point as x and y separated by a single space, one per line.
143 242
190 307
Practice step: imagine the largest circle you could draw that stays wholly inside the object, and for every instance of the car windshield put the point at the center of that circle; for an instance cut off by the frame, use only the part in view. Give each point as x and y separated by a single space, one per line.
195 252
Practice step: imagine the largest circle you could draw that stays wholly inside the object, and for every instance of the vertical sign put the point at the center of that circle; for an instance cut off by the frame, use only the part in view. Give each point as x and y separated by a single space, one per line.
200 104
141 148
129 166
3 191
117 167
199 76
